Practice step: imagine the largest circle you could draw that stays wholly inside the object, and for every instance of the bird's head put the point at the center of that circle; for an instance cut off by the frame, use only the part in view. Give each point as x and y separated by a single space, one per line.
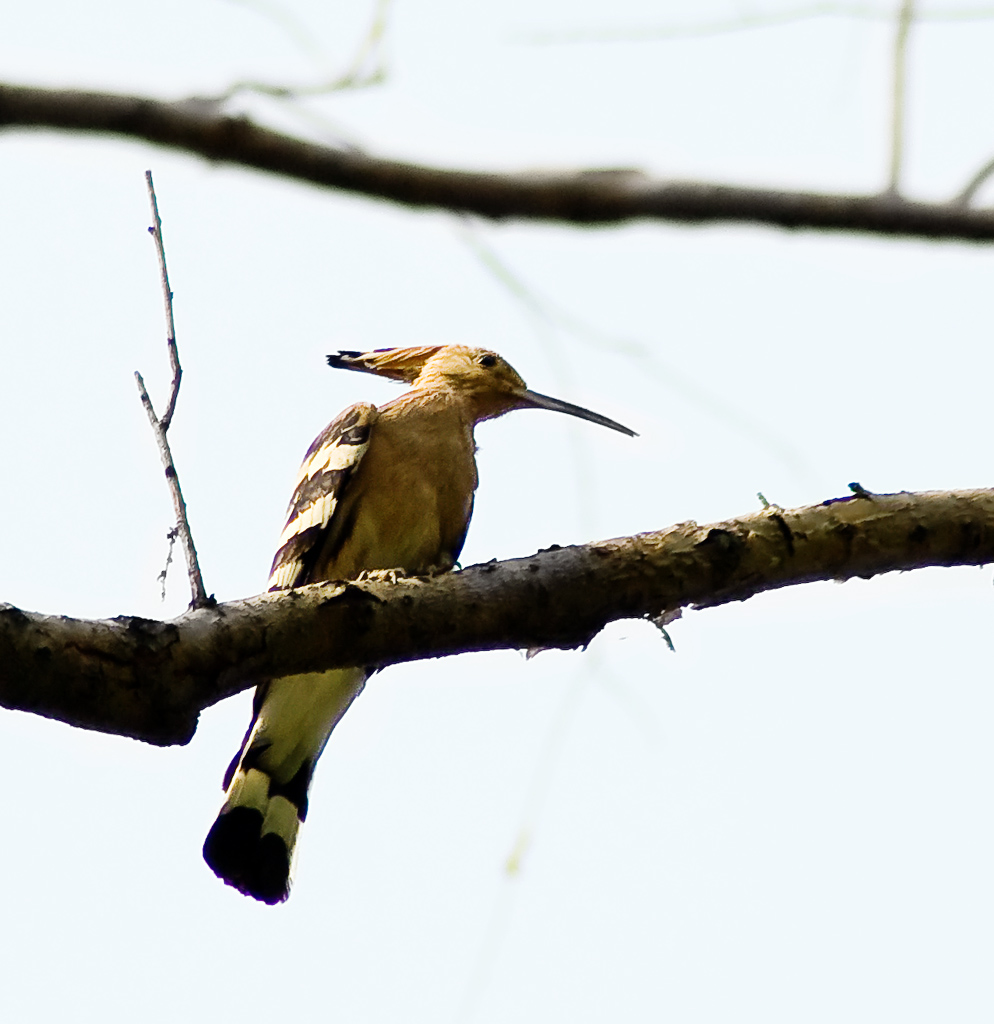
480 377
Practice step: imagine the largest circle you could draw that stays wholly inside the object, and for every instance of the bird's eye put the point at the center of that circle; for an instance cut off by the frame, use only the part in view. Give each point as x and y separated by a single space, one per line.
488 359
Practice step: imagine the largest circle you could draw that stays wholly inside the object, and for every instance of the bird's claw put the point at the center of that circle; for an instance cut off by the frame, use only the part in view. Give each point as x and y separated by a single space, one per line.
381 575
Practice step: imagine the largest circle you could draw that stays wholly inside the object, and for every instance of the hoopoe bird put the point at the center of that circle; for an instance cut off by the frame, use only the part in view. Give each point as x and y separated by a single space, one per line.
388 488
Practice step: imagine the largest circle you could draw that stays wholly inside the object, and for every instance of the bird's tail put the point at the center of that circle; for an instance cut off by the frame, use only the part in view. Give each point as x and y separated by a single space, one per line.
251 844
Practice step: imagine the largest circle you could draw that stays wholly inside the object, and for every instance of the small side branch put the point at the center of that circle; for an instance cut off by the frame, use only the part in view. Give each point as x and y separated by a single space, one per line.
904 18
200 598
161 425
365 69
167 297
972 187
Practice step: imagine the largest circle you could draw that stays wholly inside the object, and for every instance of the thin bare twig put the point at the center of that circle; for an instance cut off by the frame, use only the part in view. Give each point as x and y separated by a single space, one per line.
171 537
292 27
292 92
200 598
905 16
160 426
965 198
167 297
645 356
745 22
354 77
372 42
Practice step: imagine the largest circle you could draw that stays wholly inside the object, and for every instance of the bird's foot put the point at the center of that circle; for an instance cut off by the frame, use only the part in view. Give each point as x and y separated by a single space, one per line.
381 575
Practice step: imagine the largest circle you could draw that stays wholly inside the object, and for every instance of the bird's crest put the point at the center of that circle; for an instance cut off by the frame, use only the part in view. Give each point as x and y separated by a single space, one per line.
403 364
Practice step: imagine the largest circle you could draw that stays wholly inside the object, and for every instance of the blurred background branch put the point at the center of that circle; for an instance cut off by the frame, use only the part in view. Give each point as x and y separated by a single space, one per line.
578 197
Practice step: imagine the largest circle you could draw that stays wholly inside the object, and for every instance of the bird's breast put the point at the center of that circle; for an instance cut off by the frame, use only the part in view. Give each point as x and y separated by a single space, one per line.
410 501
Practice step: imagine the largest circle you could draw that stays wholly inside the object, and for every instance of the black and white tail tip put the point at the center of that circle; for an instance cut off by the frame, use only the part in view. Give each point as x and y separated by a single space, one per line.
239 854
250 845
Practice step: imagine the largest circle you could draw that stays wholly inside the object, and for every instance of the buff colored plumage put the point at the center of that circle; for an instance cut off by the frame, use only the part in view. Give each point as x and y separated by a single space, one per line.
388 488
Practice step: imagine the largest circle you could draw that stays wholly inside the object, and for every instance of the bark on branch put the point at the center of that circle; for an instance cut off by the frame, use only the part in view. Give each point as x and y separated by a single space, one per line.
579 197
148 679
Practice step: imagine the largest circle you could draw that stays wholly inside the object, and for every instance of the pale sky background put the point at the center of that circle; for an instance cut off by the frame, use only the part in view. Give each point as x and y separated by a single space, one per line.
790 818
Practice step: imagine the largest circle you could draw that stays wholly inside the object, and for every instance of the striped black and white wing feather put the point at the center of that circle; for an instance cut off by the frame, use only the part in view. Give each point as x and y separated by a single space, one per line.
323 476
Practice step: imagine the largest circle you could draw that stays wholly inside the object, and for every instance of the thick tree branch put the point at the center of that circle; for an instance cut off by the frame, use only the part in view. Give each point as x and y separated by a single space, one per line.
580 197
149 680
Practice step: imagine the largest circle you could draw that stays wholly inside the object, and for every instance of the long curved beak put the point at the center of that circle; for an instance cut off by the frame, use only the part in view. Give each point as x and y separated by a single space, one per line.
532 399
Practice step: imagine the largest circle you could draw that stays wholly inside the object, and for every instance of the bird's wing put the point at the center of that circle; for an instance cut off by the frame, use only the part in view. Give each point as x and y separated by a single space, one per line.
329 463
